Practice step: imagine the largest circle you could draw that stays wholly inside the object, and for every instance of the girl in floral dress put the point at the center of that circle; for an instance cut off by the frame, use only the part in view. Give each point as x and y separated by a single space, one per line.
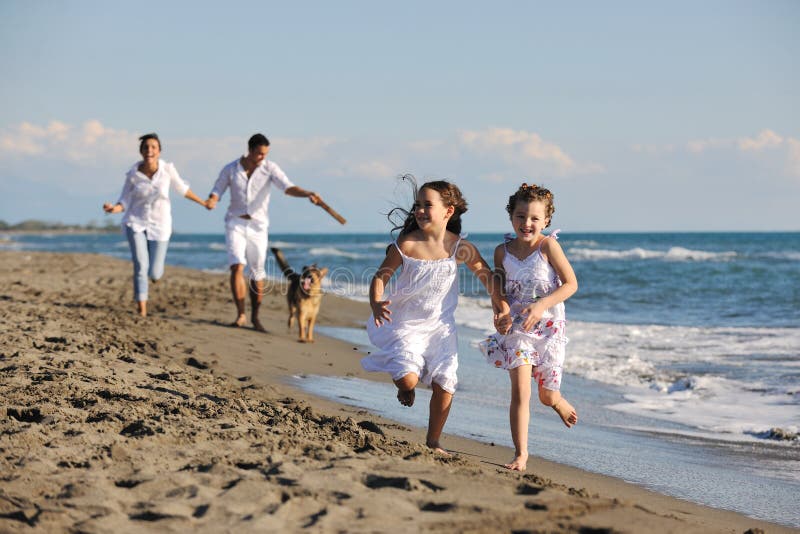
538 278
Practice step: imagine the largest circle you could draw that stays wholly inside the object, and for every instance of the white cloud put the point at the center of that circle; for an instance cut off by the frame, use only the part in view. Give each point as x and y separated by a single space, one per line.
86 143
765 139
517 148
766 146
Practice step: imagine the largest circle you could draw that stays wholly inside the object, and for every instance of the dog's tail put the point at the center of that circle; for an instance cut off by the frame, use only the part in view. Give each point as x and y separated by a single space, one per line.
288 272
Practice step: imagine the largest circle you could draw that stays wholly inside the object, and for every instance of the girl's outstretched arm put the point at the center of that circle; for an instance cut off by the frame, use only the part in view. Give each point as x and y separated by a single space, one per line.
380 308
469 255
554 254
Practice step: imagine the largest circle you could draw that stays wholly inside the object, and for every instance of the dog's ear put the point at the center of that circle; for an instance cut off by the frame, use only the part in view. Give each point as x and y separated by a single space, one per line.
323 272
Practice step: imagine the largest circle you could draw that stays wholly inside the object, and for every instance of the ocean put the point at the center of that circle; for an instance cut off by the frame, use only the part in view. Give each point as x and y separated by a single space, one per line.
683 358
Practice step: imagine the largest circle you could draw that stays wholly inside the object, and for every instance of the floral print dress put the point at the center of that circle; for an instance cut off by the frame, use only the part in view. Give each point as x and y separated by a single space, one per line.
528 280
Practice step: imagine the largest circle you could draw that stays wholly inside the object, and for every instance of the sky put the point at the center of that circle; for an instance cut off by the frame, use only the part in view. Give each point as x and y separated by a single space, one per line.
638 116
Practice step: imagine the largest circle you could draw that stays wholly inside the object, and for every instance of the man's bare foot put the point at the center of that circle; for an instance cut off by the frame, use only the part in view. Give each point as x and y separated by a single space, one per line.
519 463
406 398
434 445
240 321
257 326
566 412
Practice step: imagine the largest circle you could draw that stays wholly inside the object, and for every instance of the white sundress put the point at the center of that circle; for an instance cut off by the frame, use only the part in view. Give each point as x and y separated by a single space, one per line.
421 338
528 280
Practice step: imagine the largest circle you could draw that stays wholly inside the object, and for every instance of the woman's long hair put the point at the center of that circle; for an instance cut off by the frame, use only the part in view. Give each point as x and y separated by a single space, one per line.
403 219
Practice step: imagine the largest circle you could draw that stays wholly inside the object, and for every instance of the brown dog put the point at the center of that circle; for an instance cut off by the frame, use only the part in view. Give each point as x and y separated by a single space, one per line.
304 296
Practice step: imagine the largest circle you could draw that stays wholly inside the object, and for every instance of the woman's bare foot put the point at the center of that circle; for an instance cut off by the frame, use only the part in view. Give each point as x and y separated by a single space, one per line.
519 463
434 445
240 321
566 412
141 307
406 398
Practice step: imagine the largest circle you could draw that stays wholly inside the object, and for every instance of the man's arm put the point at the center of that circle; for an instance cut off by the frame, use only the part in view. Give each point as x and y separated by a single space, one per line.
296 191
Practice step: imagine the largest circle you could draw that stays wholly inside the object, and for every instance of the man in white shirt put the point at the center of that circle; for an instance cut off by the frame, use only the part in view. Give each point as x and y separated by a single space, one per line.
250 179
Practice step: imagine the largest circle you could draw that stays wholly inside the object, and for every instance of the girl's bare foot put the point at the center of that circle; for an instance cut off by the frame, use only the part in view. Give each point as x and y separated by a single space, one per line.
438 448
240 321
566 412
141 307
406 398
519 463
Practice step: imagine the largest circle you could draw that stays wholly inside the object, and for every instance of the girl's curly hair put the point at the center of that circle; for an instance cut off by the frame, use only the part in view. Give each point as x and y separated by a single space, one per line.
529 193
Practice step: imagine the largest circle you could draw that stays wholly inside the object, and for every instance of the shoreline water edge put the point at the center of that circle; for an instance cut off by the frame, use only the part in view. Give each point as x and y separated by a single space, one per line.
182 294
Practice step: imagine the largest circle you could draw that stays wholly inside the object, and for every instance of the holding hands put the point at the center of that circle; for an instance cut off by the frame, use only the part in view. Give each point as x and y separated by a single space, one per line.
502 322
112 208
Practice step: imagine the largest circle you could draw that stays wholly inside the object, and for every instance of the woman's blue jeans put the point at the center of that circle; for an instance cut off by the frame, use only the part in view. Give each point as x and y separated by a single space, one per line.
148 260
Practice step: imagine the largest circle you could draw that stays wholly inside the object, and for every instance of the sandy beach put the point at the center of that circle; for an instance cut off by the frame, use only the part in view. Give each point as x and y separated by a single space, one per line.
178 422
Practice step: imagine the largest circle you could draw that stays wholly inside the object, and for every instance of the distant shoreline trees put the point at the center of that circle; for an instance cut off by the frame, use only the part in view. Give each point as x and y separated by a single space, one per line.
34 225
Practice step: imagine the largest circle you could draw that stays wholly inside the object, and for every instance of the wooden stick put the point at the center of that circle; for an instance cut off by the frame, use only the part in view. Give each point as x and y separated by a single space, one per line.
330 210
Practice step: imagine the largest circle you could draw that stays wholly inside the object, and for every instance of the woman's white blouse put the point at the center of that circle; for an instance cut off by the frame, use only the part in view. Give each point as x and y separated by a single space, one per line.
146 200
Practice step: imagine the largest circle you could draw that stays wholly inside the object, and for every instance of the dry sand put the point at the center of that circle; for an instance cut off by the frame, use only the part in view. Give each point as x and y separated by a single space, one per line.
176 422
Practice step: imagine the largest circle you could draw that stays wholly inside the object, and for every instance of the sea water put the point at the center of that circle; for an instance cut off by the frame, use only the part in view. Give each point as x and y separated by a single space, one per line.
683 358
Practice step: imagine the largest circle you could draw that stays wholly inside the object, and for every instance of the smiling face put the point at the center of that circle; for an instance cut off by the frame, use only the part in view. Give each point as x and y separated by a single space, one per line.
529 219
150 150
430 211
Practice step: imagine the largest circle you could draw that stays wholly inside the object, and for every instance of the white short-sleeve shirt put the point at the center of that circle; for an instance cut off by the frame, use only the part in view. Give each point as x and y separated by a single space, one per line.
250 196
146 200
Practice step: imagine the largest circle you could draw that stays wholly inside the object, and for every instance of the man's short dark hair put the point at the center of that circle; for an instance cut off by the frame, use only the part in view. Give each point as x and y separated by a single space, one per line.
256 141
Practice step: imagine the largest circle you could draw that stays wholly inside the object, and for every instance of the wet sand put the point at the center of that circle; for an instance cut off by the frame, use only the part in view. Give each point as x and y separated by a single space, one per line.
177 422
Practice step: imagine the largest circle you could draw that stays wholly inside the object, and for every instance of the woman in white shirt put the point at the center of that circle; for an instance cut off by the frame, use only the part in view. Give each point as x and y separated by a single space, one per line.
147 222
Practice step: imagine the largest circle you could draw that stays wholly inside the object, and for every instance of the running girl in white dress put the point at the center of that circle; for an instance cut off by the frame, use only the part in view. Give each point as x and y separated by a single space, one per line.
413 323
538 279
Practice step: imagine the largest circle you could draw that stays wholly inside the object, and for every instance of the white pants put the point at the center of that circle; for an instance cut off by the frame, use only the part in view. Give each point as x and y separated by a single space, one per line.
246 241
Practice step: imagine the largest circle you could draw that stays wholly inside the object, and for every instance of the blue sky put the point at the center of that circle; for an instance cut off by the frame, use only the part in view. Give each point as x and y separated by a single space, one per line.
679 116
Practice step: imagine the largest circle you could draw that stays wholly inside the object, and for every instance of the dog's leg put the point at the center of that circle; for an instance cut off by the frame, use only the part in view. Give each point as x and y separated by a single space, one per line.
310 333
292 312
301 325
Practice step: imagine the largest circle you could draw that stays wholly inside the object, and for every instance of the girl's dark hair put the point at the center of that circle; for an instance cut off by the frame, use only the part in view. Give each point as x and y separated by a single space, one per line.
451 196
529 193
256 141
143 140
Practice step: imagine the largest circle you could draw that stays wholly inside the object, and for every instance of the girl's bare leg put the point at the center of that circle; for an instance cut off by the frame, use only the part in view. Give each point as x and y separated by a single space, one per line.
441 401
563 408
519 415
405 389
141 307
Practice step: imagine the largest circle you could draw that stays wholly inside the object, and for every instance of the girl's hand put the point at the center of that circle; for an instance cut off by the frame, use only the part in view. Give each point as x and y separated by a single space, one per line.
533 314
112 208
502 322
381 311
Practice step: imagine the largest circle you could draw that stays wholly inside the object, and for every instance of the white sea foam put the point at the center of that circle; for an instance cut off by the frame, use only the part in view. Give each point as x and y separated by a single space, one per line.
637 253
333 251
648 362
716 407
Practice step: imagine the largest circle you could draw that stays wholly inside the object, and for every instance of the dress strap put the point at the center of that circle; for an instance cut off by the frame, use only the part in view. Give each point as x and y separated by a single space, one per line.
507 238
553 234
